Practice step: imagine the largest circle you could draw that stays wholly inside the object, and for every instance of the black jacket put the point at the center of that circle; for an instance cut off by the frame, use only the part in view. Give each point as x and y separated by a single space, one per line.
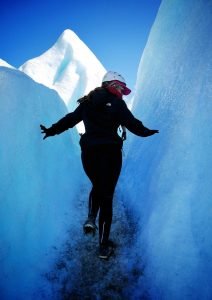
102 114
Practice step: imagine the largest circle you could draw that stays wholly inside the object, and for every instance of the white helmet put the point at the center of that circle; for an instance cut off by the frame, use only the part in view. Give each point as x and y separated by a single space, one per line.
114 76
110 75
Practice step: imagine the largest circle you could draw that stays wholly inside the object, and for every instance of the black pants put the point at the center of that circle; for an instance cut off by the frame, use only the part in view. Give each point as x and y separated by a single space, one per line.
102 165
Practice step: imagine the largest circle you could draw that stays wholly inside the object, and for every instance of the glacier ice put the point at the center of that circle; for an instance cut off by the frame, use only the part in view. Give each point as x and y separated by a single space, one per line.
69 67
3 63
171 192
39 184
170 196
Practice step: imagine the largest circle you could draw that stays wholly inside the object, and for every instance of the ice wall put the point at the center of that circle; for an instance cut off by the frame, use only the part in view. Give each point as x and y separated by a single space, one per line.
3 63
171 194
39 183
69 67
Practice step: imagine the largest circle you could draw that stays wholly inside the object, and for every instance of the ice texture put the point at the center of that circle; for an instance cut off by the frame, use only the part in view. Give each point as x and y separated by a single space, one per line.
165 182
3 63
69 67
39 184
171 193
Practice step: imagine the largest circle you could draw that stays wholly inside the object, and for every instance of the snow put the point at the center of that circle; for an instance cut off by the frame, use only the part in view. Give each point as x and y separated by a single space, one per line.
3 63
78 271
69 67
39 182
171 192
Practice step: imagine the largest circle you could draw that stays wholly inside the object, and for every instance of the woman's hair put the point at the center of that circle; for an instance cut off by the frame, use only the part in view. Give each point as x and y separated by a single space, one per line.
83 99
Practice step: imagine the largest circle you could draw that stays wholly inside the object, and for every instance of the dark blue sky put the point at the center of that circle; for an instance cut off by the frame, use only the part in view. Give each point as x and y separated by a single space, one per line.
116 31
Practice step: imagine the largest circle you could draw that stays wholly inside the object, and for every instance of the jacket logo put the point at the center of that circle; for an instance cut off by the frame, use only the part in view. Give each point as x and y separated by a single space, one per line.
108 104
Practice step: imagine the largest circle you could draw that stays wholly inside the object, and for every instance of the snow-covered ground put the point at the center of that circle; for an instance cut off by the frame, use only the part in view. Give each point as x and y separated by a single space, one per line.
79 274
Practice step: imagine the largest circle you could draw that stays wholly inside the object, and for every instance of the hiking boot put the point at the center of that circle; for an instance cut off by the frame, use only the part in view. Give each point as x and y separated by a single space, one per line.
90 226
106 250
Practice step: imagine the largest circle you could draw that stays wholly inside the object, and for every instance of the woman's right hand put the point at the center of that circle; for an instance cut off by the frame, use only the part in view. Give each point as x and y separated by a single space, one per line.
46 131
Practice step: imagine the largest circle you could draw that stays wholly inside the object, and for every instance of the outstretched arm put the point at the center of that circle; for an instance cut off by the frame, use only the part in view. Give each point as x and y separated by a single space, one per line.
69 121
132 124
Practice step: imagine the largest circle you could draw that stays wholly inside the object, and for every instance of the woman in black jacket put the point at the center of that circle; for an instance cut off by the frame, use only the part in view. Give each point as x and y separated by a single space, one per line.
102 112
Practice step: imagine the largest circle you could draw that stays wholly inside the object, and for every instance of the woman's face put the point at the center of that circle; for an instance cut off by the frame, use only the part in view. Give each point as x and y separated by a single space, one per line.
118 87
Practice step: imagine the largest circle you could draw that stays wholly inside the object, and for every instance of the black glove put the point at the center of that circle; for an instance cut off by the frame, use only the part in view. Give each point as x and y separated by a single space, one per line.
151 132
47 131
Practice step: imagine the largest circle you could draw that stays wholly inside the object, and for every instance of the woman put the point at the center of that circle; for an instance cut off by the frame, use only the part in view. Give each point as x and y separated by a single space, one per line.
102 112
